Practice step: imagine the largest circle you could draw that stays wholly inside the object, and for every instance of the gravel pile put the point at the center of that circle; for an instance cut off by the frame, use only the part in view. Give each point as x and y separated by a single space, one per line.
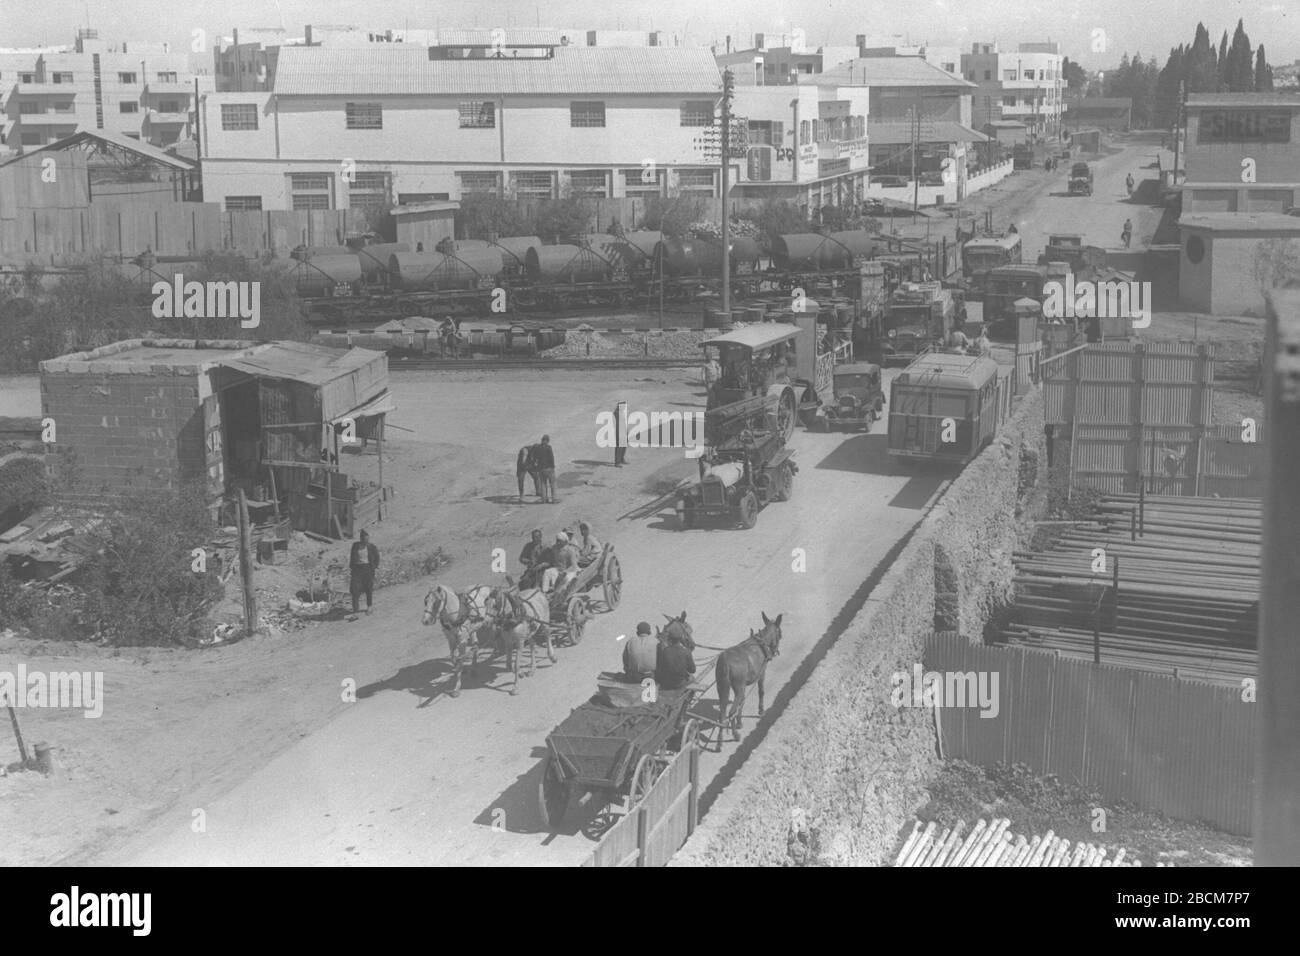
685 345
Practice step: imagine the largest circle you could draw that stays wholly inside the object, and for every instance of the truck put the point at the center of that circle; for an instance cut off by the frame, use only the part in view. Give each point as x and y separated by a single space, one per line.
983 253
919 315
1080 180
945 407
1022 156
1005 285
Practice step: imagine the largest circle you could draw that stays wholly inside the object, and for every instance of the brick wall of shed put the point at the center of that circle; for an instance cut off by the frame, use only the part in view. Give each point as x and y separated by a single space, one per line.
126 432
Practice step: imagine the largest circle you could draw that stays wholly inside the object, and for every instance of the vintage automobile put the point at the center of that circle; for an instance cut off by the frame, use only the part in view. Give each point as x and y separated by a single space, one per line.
859 398
738 479
1080 180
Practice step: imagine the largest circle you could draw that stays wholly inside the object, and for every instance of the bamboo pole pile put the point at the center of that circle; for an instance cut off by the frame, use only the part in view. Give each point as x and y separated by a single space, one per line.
1179 590
993 844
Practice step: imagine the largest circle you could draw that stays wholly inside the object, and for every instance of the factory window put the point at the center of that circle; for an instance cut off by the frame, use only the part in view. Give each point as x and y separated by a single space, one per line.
480 114
128 107
126 77
62 77
479 183
587 114
695 180
30 109
167 76
697 113
534 185
369 191
243 204
238 116
311 190
589 182
365 115
646 181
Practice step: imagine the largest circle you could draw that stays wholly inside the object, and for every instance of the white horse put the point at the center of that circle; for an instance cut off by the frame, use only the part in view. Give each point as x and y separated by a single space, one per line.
462 616
518 618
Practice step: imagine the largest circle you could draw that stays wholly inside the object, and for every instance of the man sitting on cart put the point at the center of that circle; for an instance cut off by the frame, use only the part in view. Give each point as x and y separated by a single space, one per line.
564 564
674 664
640 655
589 547
535 558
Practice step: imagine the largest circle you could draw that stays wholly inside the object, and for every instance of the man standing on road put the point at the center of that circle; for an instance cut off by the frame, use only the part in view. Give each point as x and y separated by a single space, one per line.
1127 234
620 439
364 562
544 461
523 465
640 654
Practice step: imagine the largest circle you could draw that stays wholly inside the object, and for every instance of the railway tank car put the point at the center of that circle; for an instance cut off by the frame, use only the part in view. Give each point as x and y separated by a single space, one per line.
374 260
326 275
439 272
686 258
818 252
569 263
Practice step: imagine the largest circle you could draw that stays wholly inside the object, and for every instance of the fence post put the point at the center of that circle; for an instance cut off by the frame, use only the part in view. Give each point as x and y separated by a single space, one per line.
693 801
642 834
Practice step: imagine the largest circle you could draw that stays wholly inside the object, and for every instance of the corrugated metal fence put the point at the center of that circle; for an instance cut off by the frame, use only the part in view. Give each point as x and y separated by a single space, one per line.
658 826
1131 383
1180 747
1198 461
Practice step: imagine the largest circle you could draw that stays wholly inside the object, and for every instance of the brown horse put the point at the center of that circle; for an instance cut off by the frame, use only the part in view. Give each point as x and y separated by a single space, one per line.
740 666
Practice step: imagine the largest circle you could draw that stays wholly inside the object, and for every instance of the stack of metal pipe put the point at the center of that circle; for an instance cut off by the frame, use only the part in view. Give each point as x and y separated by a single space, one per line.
1187 595
992 844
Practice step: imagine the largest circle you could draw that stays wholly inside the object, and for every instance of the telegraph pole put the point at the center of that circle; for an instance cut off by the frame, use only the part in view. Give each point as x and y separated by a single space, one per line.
1178 124
916 143
728 90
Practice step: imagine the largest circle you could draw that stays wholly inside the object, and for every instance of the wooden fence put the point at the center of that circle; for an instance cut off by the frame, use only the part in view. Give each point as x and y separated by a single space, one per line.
1199 461
1181 747
661 823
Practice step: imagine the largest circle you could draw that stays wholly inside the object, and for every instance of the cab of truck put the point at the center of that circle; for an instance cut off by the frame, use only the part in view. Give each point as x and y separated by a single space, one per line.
1080 179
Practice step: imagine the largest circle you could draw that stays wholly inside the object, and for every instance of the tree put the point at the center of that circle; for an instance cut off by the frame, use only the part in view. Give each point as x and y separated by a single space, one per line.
1202 73
1074 75
1263 72
1239 72
559 218
1222 62
482 216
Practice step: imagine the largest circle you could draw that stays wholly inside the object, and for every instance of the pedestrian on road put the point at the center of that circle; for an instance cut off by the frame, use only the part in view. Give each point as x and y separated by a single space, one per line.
1128 182
522 463
364 562
620 439
544 461
1127 234
640 654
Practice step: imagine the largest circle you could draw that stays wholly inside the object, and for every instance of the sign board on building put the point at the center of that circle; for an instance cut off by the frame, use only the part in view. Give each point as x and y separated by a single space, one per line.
830 167
1244 126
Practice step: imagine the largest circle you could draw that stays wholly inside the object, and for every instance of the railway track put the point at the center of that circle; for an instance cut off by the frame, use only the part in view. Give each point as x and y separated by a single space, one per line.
423 364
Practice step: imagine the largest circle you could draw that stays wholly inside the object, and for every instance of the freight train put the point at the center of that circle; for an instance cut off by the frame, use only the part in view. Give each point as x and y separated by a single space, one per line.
375 283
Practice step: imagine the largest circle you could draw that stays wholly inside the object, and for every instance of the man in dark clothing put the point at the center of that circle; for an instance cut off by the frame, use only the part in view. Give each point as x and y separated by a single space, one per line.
674 666
544 459
620 440
364 562
523 465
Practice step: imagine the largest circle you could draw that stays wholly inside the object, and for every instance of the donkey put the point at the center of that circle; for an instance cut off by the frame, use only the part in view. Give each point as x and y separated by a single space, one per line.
676 629
740 666
462 616
518 618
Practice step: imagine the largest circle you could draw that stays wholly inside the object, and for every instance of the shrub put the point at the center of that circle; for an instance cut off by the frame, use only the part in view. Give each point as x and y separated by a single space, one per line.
559 218
24 487
482 216
672 217
140 588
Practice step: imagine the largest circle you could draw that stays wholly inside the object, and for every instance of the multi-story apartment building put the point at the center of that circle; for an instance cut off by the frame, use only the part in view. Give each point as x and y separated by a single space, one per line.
391 124
1024 85
142 91
766 65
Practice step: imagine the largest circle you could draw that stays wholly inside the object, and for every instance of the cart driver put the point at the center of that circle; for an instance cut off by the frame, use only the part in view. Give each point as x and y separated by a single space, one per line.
564 564
589 547
535 557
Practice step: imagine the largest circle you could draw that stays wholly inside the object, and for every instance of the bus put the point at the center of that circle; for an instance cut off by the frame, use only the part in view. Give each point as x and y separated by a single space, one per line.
946 407
983 253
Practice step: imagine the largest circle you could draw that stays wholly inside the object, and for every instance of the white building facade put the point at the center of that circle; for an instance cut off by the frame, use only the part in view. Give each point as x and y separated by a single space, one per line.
388 124
1024 85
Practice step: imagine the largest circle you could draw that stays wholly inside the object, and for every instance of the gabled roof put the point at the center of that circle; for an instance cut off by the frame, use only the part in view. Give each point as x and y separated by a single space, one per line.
401 70
899 134
109 138
887 71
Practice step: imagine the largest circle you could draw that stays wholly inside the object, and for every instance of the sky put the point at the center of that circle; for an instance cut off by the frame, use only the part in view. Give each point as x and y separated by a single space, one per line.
1093 32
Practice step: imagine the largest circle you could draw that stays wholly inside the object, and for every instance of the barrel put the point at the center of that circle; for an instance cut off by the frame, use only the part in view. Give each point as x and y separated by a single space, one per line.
514 250
320 274
565 263
716 319
374 259
466 269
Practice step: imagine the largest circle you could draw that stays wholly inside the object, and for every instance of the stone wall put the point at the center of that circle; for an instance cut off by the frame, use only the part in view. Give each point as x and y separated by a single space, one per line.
843 757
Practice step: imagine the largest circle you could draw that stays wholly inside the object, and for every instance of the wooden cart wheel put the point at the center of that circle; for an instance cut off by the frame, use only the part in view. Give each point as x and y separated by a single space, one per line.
576 615
613 582
748 510
552 795
786 415
643 779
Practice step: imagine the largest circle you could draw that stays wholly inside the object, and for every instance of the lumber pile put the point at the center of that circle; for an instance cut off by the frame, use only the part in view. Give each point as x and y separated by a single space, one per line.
992 844
1179 593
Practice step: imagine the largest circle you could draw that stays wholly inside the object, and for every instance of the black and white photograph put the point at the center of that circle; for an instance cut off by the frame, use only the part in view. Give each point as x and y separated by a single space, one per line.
903 401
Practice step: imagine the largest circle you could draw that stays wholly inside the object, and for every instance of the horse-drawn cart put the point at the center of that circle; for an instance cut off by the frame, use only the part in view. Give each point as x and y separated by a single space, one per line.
615 746
571 605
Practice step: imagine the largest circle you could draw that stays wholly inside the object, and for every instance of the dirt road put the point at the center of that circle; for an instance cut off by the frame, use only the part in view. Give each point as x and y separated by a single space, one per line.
408 774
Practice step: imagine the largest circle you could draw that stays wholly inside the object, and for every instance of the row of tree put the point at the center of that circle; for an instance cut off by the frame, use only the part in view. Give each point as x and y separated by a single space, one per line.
1234 67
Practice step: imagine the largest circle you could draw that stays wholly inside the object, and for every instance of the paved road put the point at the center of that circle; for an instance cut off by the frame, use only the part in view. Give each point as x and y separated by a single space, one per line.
391 782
